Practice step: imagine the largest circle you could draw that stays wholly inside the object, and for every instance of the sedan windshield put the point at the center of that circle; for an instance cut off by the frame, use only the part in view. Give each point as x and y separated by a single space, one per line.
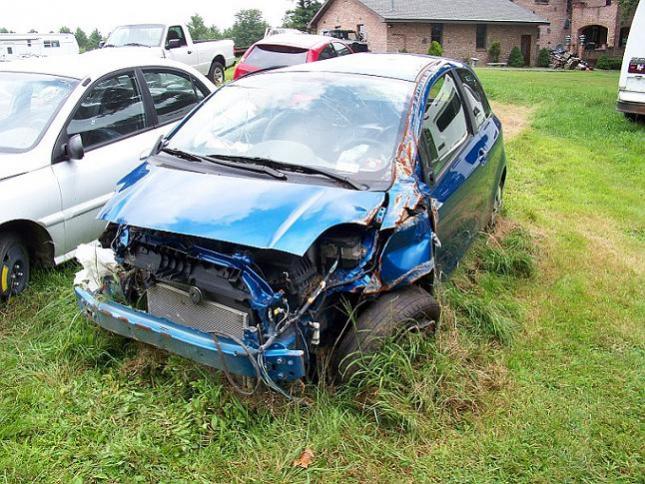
346 124
28 102
136 35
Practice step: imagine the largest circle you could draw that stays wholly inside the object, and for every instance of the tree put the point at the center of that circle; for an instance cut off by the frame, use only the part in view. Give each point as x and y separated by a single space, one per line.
65 30
248 28
199 30
628 7
94 40
494 52
516 59
33 31
3 30
435 49
544 58
300 16
81 39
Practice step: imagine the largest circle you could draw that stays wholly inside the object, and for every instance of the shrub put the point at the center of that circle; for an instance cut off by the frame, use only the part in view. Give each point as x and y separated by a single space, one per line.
516 59
494 51
609 63
435 49
544 58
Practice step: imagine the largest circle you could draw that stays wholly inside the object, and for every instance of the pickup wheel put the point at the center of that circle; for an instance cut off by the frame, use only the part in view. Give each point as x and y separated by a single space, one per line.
392 315
14 266
216 74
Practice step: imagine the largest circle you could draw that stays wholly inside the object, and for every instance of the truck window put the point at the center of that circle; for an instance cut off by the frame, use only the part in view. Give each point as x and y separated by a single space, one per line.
176 33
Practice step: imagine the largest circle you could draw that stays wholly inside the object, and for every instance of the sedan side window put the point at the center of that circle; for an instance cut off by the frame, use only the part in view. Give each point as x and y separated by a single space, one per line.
476 97
444 123
341 49
174 94
111 110
328 53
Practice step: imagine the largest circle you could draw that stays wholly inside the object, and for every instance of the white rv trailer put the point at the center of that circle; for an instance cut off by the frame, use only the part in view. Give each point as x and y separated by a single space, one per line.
21 46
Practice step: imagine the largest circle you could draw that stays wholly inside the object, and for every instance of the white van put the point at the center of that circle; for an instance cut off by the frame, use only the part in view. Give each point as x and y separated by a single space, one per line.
631 93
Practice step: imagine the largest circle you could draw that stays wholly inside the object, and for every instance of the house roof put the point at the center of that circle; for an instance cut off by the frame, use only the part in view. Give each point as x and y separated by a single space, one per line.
469 11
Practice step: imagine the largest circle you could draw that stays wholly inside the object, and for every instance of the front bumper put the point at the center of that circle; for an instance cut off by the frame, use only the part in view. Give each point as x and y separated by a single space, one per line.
282 364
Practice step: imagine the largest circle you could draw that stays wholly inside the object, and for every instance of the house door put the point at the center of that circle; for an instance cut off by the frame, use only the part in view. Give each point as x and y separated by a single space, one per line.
526 49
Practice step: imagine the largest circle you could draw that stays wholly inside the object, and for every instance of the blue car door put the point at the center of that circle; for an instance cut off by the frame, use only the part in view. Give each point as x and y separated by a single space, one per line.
453 154
488 129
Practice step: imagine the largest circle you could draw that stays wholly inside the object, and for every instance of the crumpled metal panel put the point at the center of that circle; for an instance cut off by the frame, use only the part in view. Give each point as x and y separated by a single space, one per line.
260 213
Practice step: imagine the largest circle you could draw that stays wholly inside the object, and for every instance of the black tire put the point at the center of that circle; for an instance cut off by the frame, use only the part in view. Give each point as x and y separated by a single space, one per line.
498 203
390 316
633 117
14 265
217 73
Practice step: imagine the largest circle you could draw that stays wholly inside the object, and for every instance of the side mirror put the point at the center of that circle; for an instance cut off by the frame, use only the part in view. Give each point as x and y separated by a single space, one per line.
173 44
74 148
101 44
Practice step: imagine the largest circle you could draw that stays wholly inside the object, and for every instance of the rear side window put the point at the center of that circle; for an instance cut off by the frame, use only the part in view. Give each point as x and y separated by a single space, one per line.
444 124
111 110
267 56
341 49
476 98
174 94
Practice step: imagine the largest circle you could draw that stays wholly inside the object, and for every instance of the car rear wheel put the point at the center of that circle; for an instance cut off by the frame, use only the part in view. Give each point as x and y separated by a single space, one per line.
389 317
14 265
498 203
217 74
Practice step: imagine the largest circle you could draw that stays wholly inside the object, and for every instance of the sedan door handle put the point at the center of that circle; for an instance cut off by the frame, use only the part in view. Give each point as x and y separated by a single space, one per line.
190 51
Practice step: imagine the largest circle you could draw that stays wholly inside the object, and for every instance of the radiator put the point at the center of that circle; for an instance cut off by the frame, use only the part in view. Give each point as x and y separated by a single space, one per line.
207 316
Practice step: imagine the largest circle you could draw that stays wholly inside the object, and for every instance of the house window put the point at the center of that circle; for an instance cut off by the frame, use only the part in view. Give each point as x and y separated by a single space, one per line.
29 43
624 34
9 50
437 33
47 43
481 36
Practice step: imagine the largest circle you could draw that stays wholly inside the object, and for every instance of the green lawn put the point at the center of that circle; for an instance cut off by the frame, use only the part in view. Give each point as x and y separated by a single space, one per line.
536 374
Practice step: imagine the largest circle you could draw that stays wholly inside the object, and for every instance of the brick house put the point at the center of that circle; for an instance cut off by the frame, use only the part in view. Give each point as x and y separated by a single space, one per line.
464 28
601 22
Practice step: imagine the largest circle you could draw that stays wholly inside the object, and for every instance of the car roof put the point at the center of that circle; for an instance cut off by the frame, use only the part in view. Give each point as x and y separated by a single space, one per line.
304 41
92 64
406 67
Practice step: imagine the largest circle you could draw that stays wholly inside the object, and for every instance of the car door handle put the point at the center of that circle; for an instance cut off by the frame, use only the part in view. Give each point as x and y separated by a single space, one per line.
482 156
190 51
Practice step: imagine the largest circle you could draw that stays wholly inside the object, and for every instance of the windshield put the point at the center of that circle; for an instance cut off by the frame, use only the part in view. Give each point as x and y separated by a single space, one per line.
28 102
144 35
347 124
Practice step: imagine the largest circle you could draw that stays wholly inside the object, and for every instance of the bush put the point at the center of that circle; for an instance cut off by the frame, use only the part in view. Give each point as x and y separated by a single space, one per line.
494 52
544 58
516 59
609 63
435 49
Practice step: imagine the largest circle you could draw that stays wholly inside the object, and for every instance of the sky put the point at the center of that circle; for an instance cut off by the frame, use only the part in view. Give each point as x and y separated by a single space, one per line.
45 15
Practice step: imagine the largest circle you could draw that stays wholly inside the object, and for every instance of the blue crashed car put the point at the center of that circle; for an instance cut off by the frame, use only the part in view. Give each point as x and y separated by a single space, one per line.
303 214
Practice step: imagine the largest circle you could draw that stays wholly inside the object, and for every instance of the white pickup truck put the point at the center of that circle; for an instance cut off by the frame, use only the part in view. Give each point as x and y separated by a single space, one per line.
209 57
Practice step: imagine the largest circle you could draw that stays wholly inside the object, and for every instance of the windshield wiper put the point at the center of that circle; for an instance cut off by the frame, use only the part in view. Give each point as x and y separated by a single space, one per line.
224 161
297 168
135 44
